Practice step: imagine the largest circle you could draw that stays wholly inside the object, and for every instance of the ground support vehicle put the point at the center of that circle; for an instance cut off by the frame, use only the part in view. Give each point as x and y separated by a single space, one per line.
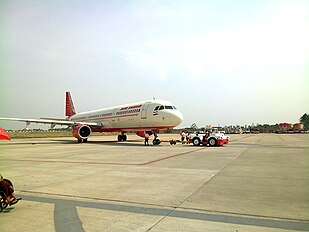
211 139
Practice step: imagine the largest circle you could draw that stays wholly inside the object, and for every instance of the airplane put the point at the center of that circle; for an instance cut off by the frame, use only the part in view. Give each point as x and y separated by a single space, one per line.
149 116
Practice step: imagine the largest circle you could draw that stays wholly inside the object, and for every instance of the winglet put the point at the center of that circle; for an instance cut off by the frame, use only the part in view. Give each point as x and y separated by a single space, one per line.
69 106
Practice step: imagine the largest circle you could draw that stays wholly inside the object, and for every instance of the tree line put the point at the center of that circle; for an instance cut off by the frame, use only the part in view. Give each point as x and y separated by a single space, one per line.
263 128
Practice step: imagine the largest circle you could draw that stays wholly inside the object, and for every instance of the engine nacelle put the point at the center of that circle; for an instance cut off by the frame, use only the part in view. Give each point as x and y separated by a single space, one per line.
142 133
81 132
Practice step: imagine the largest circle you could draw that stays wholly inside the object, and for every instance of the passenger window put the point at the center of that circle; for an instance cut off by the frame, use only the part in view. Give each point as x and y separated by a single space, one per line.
157 107
161 107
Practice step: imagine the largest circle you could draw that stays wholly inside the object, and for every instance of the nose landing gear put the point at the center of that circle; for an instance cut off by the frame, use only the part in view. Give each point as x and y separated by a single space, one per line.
156 141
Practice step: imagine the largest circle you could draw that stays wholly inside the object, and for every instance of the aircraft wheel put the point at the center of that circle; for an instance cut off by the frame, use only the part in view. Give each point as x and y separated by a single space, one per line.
79 141
196 141
212 142
85 140
122 138
156 141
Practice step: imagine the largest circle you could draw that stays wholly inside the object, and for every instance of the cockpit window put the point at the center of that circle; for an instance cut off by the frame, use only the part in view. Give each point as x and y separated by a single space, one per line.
165 107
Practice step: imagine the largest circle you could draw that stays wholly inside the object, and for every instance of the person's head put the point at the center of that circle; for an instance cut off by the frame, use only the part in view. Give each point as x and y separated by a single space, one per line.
1 177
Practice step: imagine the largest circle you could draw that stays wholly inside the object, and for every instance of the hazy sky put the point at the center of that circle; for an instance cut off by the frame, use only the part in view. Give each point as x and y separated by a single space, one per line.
220 62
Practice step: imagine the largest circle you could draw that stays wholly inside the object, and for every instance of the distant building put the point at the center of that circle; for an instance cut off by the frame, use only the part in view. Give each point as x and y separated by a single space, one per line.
297 127
287 127
284 127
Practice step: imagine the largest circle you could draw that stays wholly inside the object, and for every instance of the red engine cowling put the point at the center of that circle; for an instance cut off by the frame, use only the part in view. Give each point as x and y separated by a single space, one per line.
141 134
81 132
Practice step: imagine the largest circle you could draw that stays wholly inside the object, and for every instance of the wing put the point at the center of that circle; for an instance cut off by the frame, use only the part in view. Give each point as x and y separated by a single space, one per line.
53 122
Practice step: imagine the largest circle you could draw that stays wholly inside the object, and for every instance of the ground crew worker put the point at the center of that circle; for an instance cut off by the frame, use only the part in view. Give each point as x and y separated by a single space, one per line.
188 137
7 190
183 135
146 139
206 135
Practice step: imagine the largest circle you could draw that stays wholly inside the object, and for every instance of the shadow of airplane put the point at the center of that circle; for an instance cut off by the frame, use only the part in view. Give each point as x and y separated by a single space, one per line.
132 143
66 216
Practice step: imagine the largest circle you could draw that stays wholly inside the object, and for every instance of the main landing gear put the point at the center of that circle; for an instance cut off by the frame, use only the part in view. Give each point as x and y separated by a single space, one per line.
122 137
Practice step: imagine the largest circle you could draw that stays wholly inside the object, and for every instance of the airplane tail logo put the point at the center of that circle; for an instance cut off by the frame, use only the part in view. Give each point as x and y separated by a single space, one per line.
69 106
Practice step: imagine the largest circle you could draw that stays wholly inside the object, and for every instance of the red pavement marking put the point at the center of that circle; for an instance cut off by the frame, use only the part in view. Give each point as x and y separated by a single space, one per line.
168 157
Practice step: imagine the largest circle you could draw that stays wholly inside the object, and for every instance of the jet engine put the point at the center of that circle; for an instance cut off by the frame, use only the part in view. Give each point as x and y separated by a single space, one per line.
81 132
142 133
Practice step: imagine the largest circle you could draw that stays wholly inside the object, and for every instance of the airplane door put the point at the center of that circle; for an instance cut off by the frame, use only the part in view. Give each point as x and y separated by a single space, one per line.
144 110
114 114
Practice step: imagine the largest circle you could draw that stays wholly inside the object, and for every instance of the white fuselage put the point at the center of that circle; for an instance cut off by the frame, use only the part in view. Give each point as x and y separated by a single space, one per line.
145 115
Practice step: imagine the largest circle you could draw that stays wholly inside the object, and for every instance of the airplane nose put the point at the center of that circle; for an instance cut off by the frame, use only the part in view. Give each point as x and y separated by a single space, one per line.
176 118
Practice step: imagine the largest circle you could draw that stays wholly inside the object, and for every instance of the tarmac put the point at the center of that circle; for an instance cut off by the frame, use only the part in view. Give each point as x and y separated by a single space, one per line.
257 182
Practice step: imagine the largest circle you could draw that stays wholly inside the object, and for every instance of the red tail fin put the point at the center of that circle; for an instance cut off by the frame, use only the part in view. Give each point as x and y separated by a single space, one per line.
69 106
